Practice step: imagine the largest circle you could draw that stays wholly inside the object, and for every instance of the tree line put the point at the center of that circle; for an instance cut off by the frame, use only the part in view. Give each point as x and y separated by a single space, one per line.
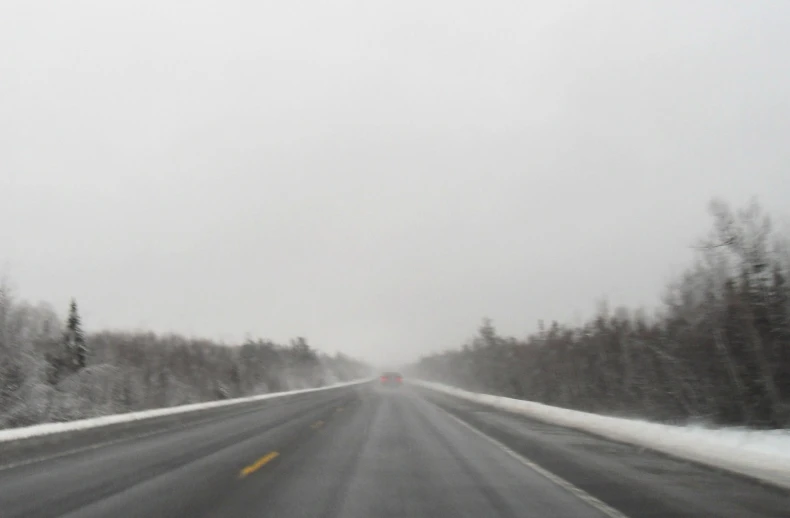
717 351
52 371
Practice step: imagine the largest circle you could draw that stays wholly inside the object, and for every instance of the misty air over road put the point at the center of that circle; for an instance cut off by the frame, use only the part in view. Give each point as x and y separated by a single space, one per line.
237 168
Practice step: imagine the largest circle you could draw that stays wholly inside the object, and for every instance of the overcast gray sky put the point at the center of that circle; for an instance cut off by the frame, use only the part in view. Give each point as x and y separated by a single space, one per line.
377 175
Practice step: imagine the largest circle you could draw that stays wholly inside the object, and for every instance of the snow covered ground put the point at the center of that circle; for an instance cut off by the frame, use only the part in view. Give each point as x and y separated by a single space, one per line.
14 434
763 455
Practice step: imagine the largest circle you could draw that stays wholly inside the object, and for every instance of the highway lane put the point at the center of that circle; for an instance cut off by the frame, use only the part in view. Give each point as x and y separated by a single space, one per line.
369 452
172 473
637 482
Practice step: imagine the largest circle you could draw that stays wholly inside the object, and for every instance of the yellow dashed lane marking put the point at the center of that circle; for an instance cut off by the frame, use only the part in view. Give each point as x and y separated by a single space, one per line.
258 464
317 425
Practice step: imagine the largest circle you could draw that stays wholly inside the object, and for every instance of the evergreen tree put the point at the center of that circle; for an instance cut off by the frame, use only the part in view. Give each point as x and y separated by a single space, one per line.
76 349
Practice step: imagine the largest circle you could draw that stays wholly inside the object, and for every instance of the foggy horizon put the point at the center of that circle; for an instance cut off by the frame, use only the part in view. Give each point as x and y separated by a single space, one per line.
377 183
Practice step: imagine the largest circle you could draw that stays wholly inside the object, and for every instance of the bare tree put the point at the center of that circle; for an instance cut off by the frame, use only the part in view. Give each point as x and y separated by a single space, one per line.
718 350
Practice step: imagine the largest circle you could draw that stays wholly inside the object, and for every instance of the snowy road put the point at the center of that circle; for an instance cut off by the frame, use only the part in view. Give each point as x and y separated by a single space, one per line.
362 452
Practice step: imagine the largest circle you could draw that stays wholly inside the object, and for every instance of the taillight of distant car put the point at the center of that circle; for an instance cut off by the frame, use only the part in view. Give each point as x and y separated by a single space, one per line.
391 378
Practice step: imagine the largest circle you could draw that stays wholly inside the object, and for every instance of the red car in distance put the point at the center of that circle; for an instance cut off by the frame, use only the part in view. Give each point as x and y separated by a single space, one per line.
391 379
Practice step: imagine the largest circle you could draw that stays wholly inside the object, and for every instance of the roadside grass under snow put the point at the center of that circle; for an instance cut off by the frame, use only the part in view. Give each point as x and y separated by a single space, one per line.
759 454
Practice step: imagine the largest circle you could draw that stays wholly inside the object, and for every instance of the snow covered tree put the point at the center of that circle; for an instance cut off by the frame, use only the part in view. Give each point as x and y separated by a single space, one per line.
719 350
45 375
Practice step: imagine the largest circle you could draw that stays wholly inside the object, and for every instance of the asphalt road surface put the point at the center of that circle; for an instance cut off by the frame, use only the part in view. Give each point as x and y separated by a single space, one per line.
371 452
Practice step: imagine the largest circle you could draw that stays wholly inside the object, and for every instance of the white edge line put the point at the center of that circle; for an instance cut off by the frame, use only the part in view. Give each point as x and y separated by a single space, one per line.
760 466
586 497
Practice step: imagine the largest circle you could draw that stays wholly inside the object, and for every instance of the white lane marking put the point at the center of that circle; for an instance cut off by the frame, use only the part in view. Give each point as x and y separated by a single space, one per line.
609 511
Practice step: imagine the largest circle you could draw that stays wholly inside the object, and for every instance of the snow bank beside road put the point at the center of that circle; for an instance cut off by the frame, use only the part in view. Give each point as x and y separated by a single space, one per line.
15 434
762 455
